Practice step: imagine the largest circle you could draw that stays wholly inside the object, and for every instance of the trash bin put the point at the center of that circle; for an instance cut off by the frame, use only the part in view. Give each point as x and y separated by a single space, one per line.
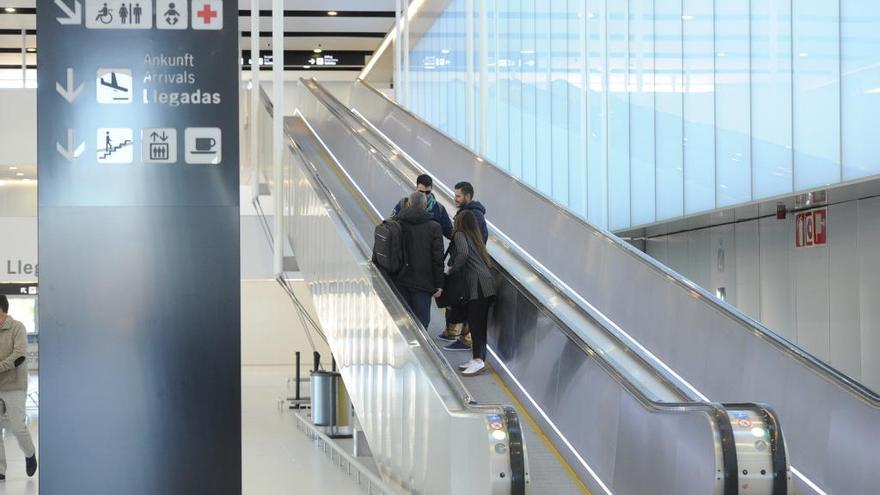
331 407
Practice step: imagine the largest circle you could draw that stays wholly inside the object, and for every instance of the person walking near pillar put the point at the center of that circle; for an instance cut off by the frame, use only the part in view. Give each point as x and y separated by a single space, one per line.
13 387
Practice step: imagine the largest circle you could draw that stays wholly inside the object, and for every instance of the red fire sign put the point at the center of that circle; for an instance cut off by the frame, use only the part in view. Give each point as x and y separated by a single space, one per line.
811 228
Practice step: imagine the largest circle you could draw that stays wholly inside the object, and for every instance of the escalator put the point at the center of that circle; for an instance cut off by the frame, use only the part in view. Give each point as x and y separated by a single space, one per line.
831 421
584 397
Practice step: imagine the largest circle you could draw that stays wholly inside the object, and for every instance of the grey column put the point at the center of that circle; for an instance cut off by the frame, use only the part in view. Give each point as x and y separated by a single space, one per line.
139 247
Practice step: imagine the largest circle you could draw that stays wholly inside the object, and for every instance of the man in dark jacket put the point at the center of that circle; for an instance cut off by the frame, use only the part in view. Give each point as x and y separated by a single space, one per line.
422 274
424 185
457 332
464 199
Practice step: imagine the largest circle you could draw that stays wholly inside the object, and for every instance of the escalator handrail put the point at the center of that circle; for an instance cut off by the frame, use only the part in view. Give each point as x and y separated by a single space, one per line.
758 329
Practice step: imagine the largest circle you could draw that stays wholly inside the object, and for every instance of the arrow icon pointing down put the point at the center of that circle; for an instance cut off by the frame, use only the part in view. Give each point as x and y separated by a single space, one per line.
68 93
73 16
68 153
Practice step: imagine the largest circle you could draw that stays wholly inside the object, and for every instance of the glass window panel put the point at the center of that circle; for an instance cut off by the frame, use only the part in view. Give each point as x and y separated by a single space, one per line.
641 85
516 89
559 99
530 146
699 106
618 115
597 170
732 118
442 53
860 66
493 86
544 104
816 38
460 69
771 98
504 74
668 101
577 199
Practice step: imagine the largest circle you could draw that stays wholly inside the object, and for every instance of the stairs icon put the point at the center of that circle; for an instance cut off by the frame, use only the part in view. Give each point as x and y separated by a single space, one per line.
114 149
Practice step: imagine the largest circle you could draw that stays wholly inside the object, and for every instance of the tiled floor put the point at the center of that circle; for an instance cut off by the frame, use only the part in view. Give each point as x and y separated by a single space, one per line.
277 457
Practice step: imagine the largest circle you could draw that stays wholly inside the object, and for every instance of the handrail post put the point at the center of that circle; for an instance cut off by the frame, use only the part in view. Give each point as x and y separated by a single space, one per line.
278 131
255 99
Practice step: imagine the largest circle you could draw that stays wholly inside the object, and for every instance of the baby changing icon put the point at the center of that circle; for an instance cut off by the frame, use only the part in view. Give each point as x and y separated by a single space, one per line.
172 14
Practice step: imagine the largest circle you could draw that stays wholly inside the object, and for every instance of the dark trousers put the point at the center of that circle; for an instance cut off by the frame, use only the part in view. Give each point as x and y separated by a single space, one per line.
419 302
456 314
478 321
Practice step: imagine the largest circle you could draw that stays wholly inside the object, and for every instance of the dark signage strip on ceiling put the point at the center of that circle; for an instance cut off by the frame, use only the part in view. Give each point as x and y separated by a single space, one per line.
321 34
323 13
22 10
17 32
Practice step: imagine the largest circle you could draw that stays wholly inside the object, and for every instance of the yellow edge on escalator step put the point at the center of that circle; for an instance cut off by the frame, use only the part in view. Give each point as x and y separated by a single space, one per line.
521 410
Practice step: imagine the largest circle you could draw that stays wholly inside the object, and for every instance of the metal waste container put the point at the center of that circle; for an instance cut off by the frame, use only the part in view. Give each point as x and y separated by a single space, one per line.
331 407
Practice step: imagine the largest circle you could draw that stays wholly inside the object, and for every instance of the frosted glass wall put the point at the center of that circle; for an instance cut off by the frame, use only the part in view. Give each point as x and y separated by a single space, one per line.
634 112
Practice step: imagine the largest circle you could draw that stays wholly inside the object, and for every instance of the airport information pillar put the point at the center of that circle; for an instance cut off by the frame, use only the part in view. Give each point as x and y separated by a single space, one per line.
139 247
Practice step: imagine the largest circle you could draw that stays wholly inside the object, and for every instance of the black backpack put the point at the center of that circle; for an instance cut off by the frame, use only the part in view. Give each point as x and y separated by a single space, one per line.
388 248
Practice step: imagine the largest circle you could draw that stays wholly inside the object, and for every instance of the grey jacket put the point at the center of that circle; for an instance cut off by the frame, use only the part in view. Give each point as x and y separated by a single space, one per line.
13 345
466 257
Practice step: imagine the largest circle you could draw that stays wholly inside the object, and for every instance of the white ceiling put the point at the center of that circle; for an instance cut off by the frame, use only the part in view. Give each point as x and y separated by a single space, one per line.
11 172
335 33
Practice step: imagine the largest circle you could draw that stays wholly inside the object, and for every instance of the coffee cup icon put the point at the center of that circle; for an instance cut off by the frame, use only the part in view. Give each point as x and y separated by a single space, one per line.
205 144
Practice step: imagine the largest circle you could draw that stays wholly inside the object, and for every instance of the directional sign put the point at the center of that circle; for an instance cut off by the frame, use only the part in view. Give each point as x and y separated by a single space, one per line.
139 246
69 16
70 151
68 92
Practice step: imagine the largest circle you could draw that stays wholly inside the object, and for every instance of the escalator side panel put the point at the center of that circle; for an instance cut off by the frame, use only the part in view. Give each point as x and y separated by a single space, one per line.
829 422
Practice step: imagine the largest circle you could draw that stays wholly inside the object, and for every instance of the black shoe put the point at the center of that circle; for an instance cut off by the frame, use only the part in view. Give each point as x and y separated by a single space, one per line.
31 465
458 345
2 477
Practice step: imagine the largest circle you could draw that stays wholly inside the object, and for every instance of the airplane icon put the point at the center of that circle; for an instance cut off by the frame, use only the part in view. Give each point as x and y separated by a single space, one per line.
114 86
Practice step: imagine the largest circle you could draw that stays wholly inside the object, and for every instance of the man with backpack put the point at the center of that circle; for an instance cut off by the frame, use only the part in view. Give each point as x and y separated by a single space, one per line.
422 275
457 332
425 185
410 246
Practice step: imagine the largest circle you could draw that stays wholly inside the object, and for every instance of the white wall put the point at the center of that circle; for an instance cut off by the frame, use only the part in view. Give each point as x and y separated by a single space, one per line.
18 126
18 249
825 299
270 329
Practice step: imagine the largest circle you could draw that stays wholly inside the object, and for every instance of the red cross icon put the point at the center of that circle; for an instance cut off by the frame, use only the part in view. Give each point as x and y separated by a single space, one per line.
207 13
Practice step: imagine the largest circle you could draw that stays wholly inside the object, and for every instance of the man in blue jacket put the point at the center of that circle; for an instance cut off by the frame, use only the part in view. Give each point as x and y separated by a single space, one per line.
424 184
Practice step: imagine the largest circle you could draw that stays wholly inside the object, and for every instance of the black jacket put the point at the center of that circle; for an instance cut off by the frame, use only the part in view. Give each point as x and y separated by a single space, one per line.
423 244
479 211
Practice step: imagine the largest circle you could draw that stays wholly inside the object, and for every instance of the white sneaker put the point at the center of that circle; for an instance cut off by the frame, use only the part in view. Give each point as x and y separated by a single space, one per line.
464 366
476 367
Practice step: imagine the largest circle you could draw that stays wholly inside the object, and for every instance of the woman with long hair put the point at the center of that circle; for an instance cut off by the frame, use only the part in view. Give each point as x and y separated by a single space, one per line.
469 254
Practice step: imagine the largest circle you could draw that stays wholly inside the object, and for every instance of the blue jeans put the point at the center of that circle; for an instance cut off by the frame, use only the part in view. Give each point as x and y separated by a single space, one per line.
419 302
